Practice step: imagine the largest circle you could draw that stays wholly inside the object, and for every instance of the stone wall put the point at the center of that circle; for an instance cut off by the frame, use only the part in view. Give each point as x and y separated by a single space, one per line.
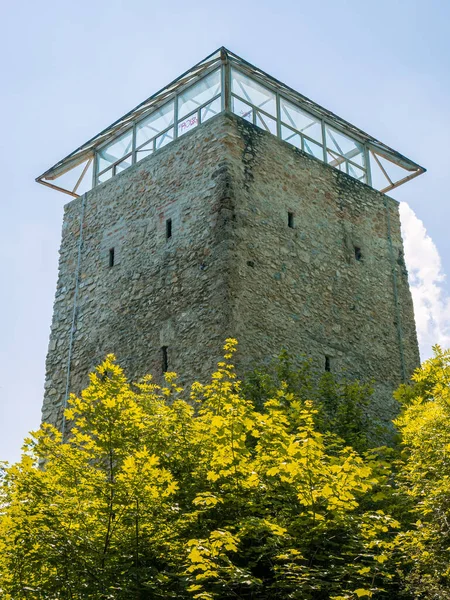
304 288
233 266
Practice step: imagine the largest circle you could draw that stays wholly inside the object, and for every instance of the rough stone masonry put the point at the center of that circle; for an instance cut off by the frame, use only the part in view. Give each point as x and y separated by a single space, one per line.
265 244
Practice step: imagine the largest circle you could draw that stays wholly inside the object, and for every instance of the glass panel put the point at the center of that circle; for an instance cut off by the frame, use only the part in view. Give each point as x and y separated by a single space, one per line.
291 136
154 124
123 165
242 109
211 109
198 94
300 120
359 159
115 150
344 145
313 149
164 139
356 172
253 92
266 123
187 124
105 176
336 160
146 151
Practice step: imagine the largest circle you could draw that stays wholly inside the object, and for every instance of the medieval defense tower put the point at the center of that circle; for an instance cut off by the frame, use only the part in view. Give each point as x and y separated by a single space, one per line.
228 204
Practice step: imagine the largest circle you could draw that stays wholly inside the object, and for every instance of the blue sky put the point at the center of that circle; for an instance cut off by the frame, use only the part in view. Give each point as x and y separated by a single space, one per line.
68 69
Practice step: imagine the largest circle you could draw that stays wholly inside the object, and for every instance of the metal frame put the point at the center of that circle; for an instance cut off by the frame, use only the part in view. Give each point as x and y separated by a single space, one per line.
224 59
151 143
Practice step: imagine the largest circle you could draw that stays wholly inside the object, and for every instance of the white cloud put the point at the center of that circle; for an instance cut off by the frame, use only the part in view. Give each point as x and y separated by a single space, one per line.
426 278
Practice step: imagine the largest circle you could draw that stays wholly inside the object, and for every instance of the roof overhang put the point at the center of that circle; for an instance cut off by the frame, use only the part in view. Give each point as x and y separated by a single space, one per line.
83 156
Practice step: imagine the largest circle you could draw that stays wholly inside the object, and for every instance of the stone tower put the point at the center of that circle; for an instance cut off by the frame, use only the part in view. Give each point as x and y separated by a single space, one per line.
227 204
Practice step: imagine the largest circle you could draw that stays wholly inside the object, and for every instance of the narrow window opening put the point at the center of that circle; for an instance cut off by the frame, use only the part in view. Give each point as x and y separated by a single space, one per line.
164 359
327 364
358 253
111 257
168 229
291 220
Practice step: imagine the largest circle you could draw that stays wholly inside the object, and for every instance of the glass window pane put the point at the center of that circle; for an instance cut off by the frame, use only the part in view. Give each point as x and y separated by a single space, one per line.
344 145
115 150
154 124
291 136
359 159
300 120
211 109
105 176
357 173
164 139
253 92
187 124
123 165
242 109
313 149
146 151
266 123
337 161
198 94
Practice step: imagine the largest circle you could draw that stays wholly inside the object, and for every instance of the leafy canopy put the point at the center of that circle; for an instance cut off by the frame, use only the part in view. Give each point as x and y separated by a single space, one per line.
264 494
425 477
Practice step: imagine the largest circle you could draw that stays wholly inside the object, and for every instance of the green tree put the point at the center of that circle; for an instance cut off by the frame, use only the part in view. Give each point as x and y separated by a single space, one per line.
341 406
425 478
152 496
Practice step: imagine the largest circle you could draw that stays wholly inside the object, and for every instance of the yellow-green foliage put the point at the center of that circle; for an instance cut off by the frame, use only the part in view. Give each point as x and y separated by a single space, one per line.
425 428
151 496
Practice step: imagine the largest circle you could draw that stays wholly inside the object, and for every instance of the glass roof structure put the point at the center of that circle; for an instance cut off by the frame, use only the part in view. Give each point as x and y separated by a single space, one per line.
225 82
